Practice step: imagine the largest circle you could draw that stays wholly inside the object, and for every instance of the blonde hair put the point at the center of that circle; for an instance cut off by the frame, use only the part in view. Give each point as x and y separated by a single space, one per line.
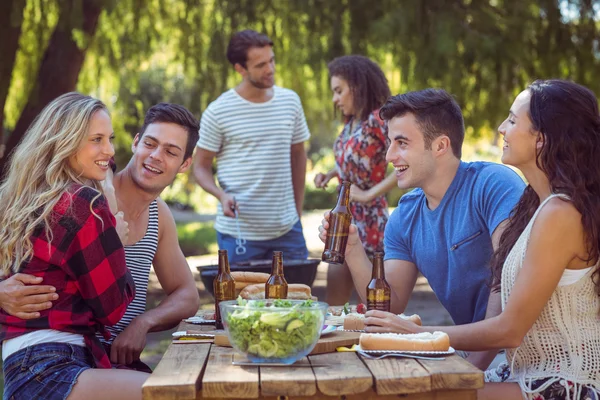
39 173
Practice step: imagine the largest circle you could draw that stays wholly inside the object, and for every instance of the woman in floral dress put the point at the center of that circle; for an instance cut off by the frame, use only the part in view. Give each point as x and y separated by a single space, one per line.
359 90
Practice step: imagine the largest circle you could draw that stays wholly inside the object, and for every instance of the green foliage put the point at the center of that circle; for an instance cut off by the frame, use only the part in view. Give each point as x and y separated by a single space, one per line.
197 238
483 52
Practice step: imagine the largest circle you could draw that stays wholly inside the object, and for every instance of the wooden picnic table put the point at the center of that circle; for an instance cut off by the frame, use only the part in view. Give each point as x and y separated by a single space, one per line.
204 370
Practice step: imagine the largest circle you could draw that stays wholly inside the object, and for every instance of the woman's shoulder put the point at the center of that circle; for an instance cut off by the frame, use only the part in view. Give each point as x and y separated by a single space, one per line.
82 200
559 212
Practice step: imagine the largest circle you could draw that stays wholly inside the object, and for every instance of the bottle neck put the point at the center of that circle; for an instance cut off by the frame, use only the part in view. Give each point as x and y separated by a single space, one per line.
224 264
378 271
277 268
344 197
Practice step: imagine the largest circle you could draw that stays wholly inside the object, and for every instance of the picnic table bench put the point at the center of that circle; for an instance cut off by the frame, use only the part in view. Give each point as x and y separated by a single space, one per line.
205 370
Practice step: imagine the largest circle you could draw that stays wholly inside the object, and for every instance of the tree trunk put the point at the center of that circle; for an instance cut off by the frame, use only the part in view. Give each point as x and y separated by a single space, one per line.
61 63
11 19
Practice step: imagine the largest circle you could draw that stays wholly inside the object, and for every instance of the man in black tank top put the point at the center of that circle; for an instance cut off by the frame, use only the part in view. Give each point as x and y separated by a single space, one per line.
162 149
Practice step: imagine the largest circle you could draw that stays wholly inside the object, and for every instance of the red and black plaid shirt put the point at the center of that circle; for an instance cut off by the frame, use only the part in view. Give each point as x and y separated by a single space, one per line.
86 264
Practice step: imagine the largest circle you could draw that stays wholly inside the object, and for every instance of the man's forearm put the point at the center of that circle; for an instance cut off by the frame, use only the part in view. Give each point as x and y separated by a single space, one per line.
298 163
182 303
206 180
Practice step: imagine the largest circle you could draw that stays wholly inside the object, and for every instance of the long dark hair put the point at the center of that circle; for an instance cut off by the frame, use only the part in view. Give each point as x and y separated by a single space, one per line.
368 84
567 116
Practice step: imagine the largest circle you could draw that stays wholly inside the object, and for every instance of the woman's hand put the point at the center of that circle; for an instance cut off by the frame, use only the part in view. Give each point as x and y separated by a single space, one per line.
122 227
359 195
386 322
321 180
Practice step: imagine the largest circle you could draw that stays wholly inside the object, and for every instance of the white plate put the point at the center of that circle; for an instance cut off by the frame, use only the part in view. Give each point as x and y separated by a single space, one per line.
327 329
422 353
199 320
196 335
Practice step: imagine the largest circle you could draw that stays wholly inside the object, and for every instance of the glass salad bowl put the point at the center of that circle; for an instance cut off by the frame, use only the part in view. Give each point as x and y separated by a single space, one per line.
273 331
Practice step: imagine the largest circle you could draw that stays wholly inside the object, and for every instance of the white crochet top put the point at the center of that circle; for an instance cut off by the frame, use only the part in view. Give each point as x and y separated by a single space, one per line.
564 342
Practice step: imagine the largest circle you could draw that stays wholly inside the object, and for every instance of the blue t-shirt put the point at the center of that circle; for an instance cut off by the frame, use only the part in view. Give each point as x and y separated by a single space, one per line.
451 245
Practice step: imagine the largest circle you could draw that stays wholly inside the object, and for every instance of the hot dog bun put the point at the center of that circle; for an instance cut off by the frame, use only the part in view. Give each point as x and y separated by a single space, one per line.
427 341
244 278
413 318
356 322
296 291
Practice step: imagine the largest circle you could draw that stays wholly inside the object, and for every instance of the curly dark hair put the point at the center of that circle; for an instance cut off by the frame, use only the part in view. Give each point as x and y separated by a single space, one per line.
368 84
567 116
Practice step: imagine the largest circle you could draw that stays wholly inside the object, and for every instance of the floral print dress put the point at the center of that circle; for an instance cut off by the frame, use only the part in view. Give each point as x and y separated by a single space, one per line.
360 159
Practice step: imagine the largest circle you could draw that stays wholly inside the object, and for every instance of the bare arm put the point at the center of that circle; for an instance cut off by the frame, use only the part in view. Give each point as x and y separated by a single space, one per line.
400 274
175 277
364 196
321 179
20 300
298 161
556 241
483 359
203 160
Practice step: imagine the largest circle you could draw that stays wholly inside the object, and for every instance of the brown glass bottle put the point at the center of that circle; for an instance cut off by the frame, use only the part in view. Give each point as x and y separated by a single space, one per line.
223 285
378 290
276 286
339 226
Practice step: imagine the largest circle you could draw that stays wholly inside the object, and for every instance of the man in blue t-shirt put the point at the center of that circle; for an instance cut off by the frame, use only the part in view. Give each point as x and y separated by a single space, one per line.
448 227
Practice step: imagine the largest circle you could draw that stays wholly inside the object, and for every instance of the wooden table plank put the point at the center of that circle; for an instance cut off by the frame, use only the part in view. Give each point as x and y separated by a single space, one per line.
371 395
399 376
288 381
177 375
345 375
326 344
223 380
453 373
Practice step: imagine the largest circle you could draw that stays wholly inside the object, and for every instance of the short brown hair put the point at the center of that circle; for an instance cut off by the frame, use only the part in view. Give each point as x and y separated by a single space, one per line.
436 112
241 42
175 114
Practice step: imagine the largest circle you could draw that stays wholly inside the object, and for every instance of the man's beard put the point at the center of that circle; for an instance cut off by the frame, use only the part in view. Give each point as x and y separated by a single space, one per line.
259 85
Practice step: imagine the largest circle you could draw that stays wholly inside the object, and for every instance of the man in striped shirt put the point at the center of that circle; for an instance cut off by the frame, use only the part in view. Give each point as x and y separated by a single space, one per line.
257 132
161 150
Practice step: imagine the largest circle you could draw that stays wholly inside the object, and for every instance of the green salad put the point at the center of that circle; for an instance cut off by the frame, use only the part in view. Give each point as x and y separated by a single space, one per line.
268 331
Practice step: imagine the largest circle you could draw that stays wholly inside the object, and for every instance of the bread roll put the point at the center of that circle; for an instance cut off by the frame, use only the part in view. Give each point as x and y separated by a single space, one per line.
296 291
244 278
413 318
427 341
354 322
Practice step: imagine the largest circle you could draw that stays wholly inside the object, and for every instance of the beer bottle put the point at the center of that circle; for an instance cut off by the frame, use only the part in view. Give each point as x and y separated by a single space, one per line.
339 225
276 286
378 290
223 286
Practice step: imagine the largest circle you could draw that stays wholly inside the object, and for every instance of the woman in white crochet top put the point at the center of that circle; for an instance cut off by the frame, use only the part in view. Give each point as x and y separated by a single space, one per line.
546 265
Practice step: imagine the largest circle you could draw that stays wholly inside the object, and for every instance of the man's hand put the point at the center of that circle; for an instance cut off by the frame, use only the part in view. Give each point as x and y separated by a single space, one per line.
229 204
122 227
385 322
359 195
353 238
25 302
129 344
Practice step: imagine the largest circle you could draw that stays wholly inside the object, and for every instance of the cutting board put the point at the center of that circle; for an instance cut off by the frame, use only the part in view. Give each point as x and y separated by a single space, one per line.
326 344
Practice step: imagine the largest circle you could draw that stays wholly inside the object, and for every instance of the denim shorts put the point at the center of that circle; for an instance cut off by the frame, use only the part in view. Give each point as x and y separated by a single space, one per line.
292 244
44 371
